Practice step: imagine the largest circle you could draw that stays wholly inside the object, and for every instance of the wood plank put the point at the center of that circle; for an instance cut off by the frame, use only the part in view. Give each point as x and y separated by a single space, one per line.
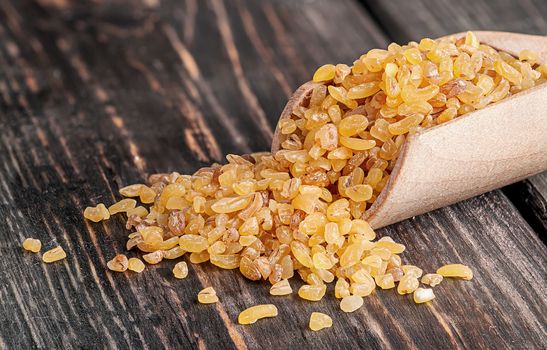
438 18
530 198
410 20
96 95
83 112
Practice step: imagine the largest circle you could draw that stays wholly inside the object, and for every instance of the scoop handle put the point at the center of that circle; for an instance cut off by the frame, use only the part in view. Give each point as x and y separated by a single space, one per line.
484 150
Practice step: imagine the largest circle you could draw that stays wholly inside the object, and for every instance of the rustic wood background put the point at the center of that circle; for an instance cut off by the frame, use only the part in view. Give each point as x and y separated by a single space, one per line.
96 94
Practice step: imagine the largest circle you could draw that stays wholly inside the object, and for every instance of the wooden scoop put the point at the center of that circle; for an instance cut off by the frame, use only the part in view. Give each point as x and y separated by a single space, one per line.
483 150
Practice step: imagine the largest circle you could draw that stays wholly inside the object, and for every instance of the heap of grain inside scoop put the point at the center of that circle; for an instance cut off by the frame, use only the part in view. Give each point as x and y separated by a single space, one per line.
301 209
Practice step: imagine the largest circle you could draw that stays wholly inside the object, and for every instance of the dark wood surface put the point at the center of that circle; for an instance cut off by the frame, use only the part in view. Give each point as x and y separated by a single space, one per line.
97 94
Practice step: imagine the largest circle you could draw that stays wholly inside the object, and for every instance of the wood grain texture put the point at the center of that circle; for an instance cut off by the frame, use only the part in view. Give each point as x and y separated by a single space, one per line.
97 94
530 198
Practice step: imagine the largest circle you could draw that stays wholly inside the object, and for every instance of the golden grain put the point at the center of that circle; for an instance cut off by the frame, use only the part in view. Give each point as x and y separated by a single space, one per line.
300 210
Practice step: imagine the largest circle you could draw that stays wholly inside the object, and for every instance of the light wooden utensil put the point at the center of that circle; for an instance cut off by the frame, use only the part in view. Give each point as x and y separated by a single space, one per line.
484 150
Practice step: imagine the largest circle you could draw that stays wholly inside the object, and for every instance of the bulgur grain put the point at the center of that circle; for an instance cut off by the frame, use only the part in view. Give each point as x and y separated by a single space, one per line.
312 292
432 279
255 313
300 210
422 295
180 270
119 263
207 296
135 264
319 321
122 206
281 288
351 303
456 270
153 257
98 213
53 255
32 245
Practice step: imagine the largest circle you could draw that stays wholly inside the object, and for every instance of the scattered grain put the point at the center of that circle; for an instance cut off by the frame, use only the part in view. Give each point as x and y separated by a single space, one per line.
135 264
208 296
180 270
456 271
351 303
432 279
153 257
300 210
53 255
407 284
319 320
422 295
281 288
312 292
98 213
119 263
255 313
122 206
32 245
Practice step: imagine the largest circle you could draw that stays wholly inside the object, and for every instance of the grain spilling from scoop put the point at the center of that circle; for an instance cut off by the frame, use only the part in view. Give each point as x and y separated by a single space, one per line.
301 209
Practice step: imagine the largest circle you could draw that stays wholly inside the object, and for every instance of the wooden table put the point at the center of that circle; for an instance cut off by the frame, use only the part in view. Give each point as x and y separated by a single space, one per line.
97 94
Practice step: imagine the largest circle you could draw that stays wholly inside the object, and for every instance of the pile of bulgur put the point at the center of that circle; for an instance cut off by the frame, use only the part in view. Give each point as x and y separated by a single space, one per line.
302 208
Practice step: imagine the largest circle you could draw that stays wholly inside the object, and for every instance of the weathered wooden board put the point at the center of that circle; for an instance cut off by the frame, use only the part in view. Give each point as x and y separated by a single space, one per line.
94 95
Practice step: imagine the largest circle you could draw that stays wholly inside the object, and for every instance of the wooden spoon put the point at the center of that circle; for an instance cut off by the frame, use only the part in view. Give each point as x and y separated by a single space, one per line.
483 150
